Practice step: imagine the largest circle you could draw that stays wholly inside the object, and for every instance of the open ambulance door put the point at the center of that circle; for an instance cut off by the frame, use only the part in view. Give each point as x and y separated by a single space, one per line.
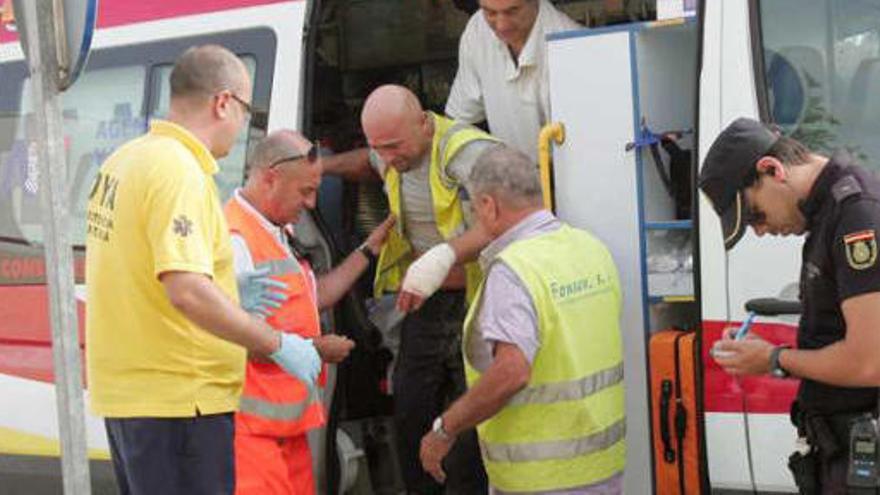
748 434
812 69
615 90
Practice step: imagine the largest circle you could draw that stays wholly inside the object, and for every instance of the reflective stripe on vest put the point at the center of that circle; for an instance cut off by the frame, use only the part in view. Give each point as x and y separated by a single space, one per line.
567 427
395 257
278 268
559 449
549 393
274 403
279 412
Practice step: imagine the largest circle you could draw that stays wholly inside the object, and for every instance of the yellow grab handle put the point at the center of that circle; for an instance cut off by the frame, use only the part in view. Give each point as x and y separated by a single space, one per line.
553 131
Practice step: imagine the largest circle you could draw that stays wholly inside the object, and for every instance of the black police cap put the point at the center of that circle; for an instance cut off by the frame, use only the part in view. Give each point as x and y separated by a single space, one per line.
728 166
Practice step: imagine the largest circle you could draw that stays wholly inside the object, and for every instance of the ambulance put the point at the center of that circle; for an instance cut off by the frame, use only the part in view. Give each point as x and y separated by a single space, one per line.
810 67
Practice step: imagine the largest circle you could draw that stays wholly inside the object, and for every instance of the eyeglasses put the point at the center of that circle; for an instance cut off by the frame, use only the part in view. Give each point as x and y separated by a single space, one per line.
310 156
247 106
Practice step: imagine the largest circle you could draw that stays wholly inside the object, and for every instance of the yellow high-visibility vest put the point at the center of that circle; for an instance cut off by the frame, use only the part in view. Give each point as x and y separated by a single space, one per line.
396 254
566 428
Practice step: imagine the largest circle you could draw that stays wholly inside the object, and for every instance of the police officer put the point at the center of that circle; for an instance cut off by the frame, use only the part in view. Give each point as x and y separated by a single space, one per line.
778 186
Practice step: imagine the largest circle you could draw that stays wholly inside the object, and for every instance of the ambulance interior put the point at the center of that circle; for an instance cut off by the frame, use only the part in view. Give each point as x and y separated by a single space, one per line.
360 45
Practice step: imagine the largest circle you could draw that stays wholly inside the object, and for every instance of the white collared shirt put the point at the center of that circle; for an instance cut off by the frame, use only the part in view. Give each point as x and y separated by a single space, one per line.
242 259
513 98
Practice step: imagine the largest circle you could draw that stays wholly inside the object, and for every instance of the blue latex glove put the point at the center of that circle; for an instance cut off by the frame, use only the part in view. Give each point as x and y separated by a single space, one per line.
260 294
298 357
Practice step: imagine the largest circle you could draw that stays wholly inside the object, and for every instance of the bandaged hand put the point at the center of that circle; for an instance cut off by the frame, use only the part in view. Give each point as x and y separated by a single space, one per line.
426 274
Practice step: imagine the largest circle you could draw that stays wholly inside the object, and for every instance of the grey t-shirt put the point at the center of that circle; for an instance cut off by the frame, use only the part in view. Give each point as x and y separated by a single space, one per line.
415 193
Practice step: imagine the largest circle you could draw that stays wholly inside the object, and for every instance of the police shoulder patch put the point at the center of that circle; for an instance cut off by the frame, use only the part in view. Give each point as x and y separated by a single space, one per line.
861 249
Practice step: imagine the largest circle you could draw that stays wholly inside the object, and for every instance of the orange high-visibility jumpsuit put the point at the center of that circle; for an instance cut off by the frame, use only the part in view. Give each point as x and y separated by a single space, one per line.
272 453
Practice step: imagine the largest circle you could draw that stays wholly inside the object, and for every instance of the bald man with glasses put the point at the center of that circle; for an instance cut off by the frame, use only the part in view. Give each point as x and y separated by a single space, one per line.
277 284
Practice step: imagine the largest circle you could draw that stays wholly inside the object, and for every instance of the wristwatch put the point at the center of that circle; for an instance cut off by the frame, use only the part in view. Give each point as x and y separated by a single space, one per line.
367 252
437 428
775 368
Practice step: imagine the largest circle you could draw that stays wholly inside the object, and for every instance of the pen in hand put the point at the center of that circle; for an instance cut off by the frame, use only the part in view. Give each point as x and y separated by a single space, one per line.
739 335
744 328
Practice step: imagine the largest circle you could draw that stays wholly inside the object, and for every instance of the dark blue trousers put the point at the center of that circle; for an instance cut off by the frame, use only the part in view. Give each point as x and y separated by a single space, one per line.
171 456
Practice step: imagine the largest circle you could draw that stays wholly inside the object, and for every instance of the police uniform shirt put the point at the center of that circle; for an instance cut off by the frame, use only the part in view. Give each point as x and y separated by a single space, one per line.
839 262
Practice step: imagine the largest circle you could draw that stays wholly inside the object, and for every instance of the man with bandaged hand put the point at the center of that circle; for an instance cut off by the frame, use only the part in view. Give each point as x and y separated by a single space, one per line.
423 159
276 283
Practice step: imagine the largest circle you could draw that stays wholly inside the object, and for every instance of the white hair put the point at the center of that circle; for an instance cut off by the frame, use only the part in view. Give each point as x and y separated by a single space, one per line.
508 175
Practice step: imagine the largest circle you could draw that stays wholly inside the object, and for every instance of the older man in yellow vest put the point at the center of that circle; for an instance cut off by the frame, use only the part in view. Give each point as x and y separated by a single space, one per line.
542 346
272 453
423 159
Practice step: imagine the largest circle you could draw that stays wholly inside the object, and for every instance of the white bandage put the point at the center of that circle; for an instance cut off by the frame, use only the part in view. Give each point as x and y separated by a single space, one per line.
426 274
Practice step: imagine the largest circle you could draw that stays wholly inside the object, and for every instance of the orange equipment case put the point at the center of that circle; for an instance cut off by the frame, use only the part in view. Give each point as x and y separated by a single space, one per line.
676 437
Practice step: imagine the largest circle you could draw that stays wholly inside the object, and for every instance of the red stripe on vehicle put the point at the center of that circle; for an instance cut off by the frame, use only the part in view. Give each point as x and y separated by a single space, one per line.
764 394
25 334
120 12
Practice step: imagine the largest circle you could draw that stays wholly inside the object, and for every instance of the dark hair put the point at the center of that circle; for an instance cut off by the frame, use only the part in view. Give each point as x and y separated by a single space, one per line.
790 152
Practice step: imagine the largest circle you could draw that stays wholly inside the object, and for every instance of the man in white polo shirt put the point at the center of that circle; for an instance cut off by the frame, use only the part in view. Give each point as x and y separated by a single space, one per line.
502 70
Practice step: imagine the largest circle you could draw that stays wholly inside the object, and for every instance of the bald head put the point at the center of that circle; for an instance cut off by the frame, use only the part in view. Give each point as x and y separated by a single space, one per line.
396 126
279 145
284 177
390 107
202 71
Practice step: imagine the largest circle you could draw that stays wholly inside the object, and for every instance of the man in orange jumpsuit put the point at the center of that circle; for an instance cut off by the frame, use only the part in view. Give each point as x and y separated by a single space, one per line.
272 453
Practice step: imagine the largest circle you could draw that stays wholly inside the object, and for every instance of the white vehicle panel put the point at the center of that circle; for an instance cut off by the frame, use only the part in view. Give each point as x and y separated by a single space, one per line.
592 95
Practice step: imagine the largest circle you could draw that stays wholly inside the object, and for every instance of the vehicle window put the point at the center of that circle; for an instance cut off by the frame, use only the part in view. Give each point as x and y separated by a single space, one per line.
822 73
121 89
101 111
231 166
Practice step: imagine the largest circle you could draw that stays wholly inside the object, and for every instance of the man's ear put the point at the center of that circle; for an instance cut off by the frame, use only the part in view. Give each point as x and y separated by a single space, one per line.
220 104
268 176
492 206
771 166
426 125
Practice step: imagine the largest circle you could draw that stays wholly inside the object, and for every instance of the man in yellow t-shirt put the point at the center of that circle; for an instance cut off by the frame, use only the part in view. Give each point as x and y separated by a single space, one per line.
165 337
